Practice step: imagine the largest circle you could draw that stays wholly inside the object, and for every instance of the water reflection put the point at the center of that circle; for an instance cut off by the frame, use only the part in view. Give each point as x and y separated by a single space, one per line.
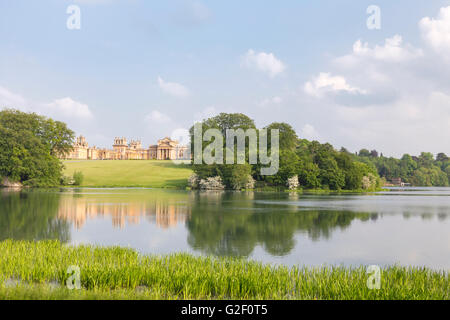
78 209
289 227
229 224
31 216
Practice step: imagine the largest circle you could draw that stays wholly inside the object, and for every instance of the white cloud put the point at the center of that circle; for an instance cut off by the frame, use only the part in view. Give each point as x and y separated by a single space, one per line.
9 99
68 107
436 32
410 125
265 62
173 88
393 50
65 108
157 117
391 96
325 83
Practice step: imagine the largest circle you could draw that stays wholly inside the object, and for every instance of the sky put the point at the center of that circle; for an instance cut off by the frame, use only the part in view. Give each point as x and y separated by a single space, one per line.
150 69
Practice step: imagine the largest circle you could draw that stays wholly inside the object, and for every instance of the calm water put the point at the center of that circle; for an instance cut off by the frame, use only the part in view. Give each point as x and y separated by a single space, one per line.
407 227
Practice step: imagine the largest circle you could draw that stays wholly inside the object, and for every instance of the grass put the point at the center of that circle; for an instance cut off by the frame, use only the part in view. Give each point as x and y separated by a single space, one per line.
130 173
38 270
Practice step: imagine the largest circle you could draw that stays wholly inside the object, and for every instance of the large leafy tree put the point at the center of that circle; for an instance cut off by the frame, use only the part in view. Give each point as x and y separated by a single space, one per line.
29 145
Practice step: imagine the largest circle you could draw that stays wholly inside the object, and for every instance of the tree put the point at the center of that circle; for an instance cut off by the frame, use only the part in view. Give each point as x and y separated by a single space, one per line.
364 153
225 121
309 175
442 157
374 154
29 148
288 137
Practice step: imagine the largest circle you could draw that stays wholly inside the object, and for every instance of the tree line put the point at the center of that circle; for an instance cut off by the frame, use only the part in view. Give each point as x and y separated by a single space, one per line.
302 163
422 170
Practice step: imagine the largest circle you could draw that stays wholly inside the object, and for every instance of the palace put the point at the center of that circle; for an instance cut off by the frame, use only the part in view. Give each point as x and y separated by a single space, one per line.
166 149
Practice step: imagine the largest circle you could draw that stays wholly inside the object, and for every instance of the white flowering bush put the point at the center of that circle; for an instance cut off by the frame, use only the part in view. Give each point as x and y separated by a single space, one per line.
250 183
211 183
369 182
193 181
293 183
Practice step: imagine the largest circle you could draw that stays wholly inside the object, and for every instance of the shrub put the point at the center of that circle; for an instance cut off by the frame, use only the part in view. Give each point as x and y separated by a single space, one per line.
369 182
78 178
211 183
193 181
293 183
250 182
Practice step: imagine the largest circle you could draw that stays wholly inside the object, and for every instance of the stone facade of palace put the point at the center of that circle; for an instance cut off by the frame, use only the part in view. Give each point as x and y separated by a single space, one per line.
166 149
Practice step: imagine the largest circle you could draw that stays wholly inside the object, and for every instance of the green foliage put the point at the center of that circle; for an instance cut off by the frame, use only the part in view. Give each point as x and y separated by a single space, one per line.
316 165
29 145
428 177
320 166
118 273
78 178
423 170
288 137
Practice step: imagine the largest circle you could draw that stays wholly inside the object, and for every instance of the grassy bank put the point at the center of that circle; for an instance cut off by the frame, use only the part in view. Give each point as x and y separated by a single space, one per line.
130 173
38 270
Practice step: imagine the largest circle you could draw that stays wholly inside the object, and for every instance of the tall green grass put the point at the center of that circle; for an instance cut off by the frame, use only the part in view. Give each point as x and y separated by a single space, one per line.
120 273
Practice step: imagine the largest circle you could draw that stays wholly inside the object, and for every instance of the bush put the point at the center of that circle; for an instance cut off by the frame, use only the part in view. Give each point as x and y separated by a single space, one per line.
78 178
293 183
193 181
250 182
212 183
369 182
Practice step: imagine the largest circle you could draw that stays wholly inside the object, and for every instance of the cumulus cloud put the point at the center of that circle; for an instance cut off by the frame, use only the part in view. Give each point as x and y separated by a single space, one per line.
436 31
173 88
9 99
64 108
264 62
393 50
390 96
409 125
68 107
157 117
325 83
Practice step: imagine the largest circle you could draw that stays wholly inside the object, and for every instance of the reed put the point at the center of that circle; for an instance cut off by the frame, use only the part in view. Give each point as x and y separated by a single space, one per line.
38 270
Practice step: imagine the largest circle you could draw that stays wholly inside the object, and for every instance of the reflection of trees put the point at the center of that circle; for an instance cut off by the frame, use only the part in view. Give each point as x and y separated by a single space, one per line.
234 226
29 215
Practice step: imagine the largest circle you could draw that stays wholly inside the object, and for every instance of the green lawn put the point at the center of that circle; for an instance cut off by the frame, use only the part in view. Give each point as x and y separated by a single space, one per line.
130 173
38 270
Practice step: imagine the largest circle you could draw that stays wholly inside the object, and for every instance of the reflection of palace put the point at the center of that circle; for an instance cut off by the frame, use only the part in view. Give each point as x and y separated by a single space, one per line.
165 215
166 149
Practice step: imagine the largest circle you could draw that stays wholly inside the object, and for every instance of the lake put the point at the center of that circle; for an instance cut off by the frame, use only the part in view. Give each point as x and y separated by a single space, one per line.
409 226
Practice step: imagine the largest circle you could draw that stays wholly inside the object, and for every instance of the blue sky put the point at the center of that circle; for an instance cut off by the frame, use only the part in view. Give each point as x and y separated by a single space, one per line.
143 69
